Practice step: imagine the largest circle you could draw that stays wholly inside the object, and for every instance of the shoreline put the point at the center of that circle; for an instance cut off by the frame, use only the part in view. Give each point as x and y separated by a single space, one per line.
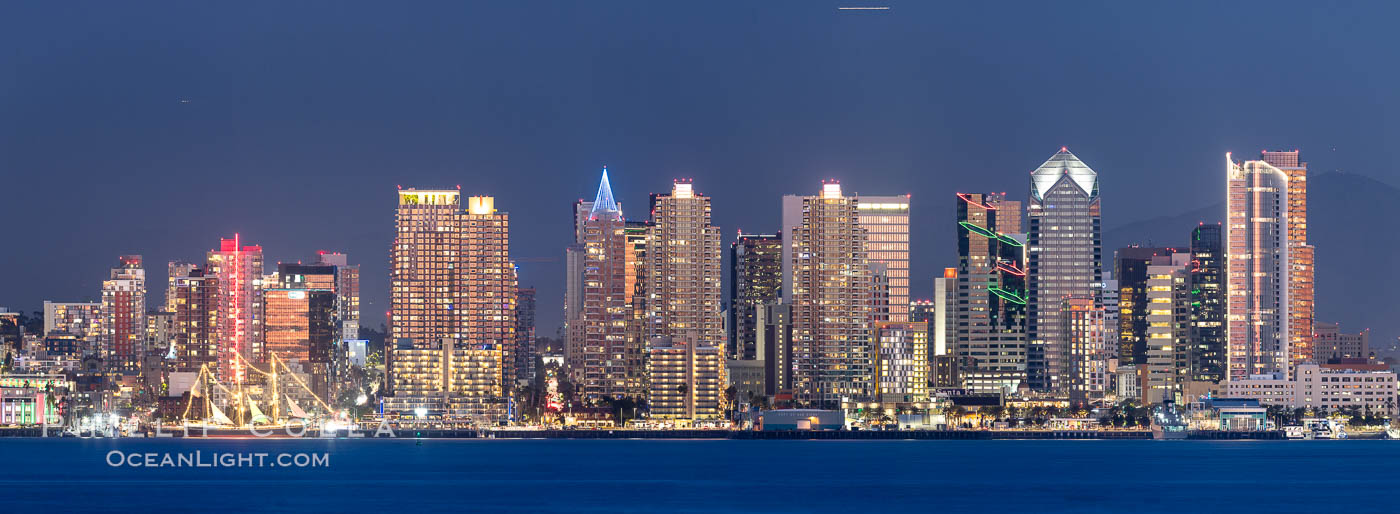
744 435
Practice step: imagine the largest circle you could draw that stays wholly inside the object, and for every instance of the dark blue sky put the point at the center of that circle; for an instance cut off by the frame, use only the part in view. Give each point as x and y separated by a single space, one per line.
302 118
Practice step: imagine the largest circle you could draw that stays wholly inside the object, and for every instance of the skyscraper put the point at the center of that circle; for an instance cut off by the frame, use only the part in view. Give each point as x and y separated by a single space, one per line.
124 315
1258 269
239 270
196 337
1207 337
487 286
1130 270
424 277
525 351
575 257
684 284
830 295
1088 348
886 223
347 292
1165 361
1300 256
755 277
173 270
301 330
453 281
1065 258
606 311
990 343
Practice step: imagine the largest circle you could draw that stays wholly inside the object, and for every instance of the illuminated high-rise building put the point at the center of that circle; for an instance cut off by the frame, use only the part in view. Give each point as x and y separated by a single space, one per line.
239 270
1083 320
686 381
1065 259
885 220
990 330
301 330
902 369
425 261
1207 332
636 236
347 292
196 337
453 282
604 356
755 275
173 270
1257 268
830 299
486 283
82 321
1300 256
1130 270
683 285
1165 361
124 315
332 273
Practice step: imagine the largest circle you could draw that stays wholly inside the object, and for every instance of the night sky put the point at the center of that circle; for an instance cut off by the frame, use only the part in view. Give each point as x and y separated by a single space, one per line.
159 128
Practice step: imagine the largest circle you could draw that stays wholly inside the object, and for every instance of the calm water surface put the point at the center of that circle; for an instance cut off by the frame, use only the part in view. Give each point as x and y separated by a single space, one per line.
665 475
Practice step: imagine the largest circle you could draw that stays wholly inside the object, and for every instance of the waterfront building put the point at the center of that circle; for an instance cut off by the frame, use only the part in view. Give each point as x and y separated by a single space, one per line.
755 276
885 220
831 287
1258 269
239 270
1065 259
124 315
486 294
683 287
424 286
1207 337
902 371
603 358
1300 255
452 279
1130 270
1165 365
447 380
1323 387
685 380
990 331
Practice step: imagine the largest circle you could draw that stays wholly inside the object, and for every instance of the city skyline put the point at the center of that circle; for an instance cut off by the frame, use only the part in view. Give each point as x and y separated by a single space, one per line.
902 130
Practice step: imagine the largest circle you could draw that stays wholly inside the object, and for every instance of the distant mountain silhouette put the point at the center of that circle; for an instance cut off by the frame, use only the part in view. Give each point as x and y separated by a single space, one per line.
1351 221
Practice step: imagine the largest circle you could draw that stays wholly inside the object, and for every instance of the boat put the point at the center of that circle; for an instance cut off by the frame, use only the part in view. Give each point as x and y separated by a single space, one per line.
1297 432
1392 432
1167 423
1325 429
